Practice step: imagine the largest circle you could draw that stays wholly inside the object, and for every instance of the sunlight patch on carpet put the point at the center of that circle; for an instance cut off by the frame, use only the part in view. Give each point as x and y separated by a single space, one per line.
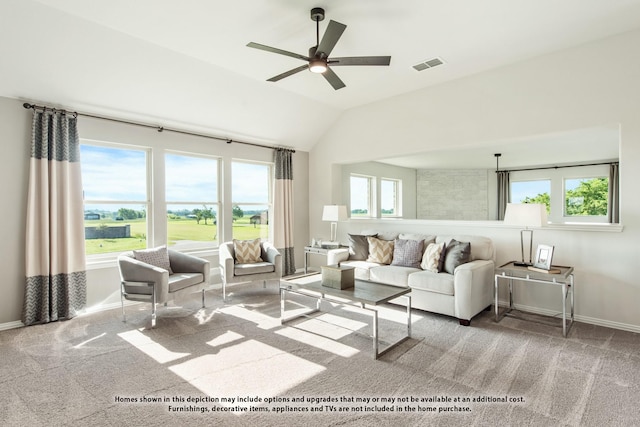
240 371
320 342
151 348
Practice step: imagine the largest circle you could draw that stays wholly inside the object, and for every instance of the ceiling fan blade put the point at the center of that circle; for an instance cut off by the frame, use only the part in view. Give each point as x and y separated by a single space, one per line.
333 79
361 60
331 36
276 50
288 73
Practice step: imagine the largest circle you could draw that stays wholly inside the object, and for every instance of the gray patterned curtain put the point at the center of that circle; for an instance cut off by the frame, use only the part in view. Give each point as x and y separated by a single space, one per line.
283 209
55 257
503 192
614 193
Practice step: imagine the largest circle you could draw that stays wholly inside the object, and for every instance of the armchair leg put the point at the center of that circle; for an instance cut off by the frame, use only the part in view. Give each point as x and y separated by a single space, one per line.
124 316
224 291
203 299
153 308
264 284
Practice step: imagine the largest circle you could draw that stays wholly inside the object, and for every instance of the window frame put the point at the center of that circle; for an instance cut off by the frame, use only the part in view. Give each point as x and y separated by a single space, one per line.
148 203
270 186
195 245
557 176
371 181
397 197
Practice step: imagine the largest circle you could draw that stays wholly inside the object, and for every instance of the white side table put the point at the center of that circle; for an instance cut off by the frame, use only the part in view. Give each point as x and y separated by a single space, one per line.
564 280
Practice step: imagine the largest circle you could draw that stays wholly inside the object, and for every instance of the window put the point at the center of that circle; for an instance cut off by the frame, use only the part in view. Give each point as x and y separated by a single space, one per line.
538 191
361 196
116 204
586 197
390 190
191 188
251 193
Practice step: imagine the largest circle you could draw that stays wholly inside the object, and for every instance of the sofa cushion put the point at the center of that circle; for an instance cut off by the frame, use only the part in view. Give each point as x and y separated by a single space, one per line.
358 246
481 247
362 268
158 257
441 283
407 253
456 253
183 280
433 258
253 268
247 251
380 251
426 238
391 274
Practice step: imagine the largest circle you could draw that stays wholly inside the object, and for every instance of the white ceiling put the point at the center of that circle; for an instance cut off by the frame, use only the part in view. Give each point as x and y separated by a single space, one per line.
186 63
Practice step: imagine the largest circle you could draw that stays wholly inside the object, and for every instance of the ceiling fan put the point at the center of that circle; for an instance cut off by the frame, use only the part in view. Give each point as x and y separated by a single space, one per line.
318 60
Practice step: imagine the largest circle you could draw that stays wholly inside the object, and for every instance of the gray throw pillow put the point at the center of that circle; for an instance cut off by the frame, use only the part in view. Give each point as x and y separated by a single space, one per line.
359 246
407 252
457 253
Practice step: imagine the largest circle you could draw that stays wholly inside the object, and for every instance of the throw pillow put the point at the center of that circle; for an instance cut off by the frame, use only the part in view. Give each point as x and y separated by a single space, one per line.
457 253
158 257
247 251
380 251
407 253
432 256
358 246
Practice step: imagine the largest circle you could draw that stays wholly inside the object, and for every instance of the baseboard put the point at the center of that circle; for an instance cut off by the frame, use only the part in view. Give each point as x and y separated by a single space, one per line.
11 325
577 318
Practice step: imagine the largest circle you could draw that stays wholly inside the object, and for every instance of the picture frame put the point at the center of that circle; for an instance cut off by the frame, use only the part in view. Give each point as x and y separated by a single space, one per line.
544 255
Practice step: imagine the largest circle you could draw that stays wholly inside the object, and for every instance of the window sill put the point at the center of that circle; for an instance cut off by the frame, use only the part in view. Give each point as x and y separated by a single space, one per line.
591 227
99 262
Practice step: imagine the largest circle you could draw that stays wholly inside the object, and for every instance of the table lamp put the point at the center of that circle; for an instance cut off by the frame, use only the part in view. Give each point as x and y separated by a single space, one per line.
334 213
527 215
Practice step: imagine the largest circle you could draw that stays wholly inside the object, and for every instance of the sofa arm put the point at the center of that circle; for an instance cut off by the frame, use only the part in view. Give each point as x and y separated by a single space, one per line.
473 287
336 256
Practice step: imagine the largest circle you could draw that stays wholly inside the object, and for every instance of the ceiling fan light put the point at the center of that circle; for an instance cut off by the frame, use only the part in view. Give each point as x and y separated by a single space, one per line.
317 66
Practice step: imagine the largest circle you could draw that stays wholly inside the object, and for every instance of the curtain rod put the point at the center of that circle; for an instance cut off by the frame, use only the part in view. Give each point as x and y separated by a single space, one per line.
156 127
557 167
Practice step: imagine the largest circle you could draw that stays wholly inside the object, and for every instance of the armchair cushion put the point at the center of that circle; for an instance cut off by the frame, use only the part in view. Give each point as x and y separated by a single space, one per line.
247 251
158 257
254 268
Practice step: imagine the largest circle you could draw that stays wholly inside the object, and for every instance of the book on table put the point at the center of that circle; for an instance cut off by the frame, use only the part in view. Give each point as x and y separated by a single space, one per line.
552 270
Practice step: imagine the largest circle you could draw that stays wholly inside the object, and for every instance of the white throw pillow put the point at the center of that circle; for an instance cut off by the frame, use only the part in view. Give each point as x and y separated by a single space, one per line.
247 251
431 257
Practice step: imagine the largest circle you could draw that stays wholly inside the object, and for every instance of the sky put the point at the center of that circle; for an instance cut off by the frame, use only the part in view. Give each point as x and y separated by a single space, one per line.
117 174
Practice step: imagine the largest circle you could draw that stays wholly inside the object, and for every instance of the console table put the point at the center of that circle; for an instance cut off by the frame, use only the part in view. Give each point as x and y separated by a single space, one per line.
563 279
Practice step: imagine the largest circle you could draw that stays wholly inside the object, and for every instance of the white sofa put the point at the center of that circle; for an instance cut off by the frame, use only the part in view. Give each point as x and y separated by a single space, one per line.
463 294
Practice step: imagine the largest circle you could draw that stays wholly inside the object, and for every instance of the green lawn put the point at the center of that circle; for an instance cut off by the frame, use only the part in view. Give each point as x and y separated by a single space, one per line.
179 230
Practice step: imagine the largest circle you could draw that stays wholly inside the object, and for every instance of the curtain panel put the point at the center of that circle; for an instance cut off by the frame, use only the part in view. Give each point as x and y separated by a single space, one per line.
283 209
614 193
503 192
55 256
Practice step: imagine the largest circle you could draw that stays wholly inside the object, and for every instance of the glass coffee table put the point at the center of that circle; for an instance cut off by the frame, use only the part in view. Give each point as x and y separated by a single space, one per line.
363 295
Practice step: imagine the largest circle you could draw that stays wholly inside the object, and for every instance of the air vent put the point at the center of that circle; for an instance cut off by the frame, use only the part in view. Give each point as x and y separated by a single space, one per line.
429 63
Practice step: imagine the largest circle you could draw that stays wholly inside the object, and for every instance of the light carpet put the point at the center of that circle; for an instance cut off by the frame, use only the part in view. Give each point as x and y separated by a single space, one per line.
97 370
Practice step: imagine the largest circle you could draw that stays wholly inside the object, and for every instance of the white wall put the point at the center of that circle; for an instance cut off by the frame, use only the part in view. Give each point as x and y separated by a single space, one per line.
591 85
103 282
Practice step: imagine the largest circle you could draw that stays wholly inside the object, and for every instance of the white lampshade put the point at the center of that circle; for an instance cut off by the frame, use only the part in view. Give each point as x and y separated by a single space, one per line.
334 213
529 215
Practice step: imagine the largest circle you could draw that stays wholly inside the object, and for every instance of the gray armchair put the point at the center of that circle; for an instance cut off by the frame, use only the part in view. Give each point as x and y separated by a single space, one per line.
145 282
269 269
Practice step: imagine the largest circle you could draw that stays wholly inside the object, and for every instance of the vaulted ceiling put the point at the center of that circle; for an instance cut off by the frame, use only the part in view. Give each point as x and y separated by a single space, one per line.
186 63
